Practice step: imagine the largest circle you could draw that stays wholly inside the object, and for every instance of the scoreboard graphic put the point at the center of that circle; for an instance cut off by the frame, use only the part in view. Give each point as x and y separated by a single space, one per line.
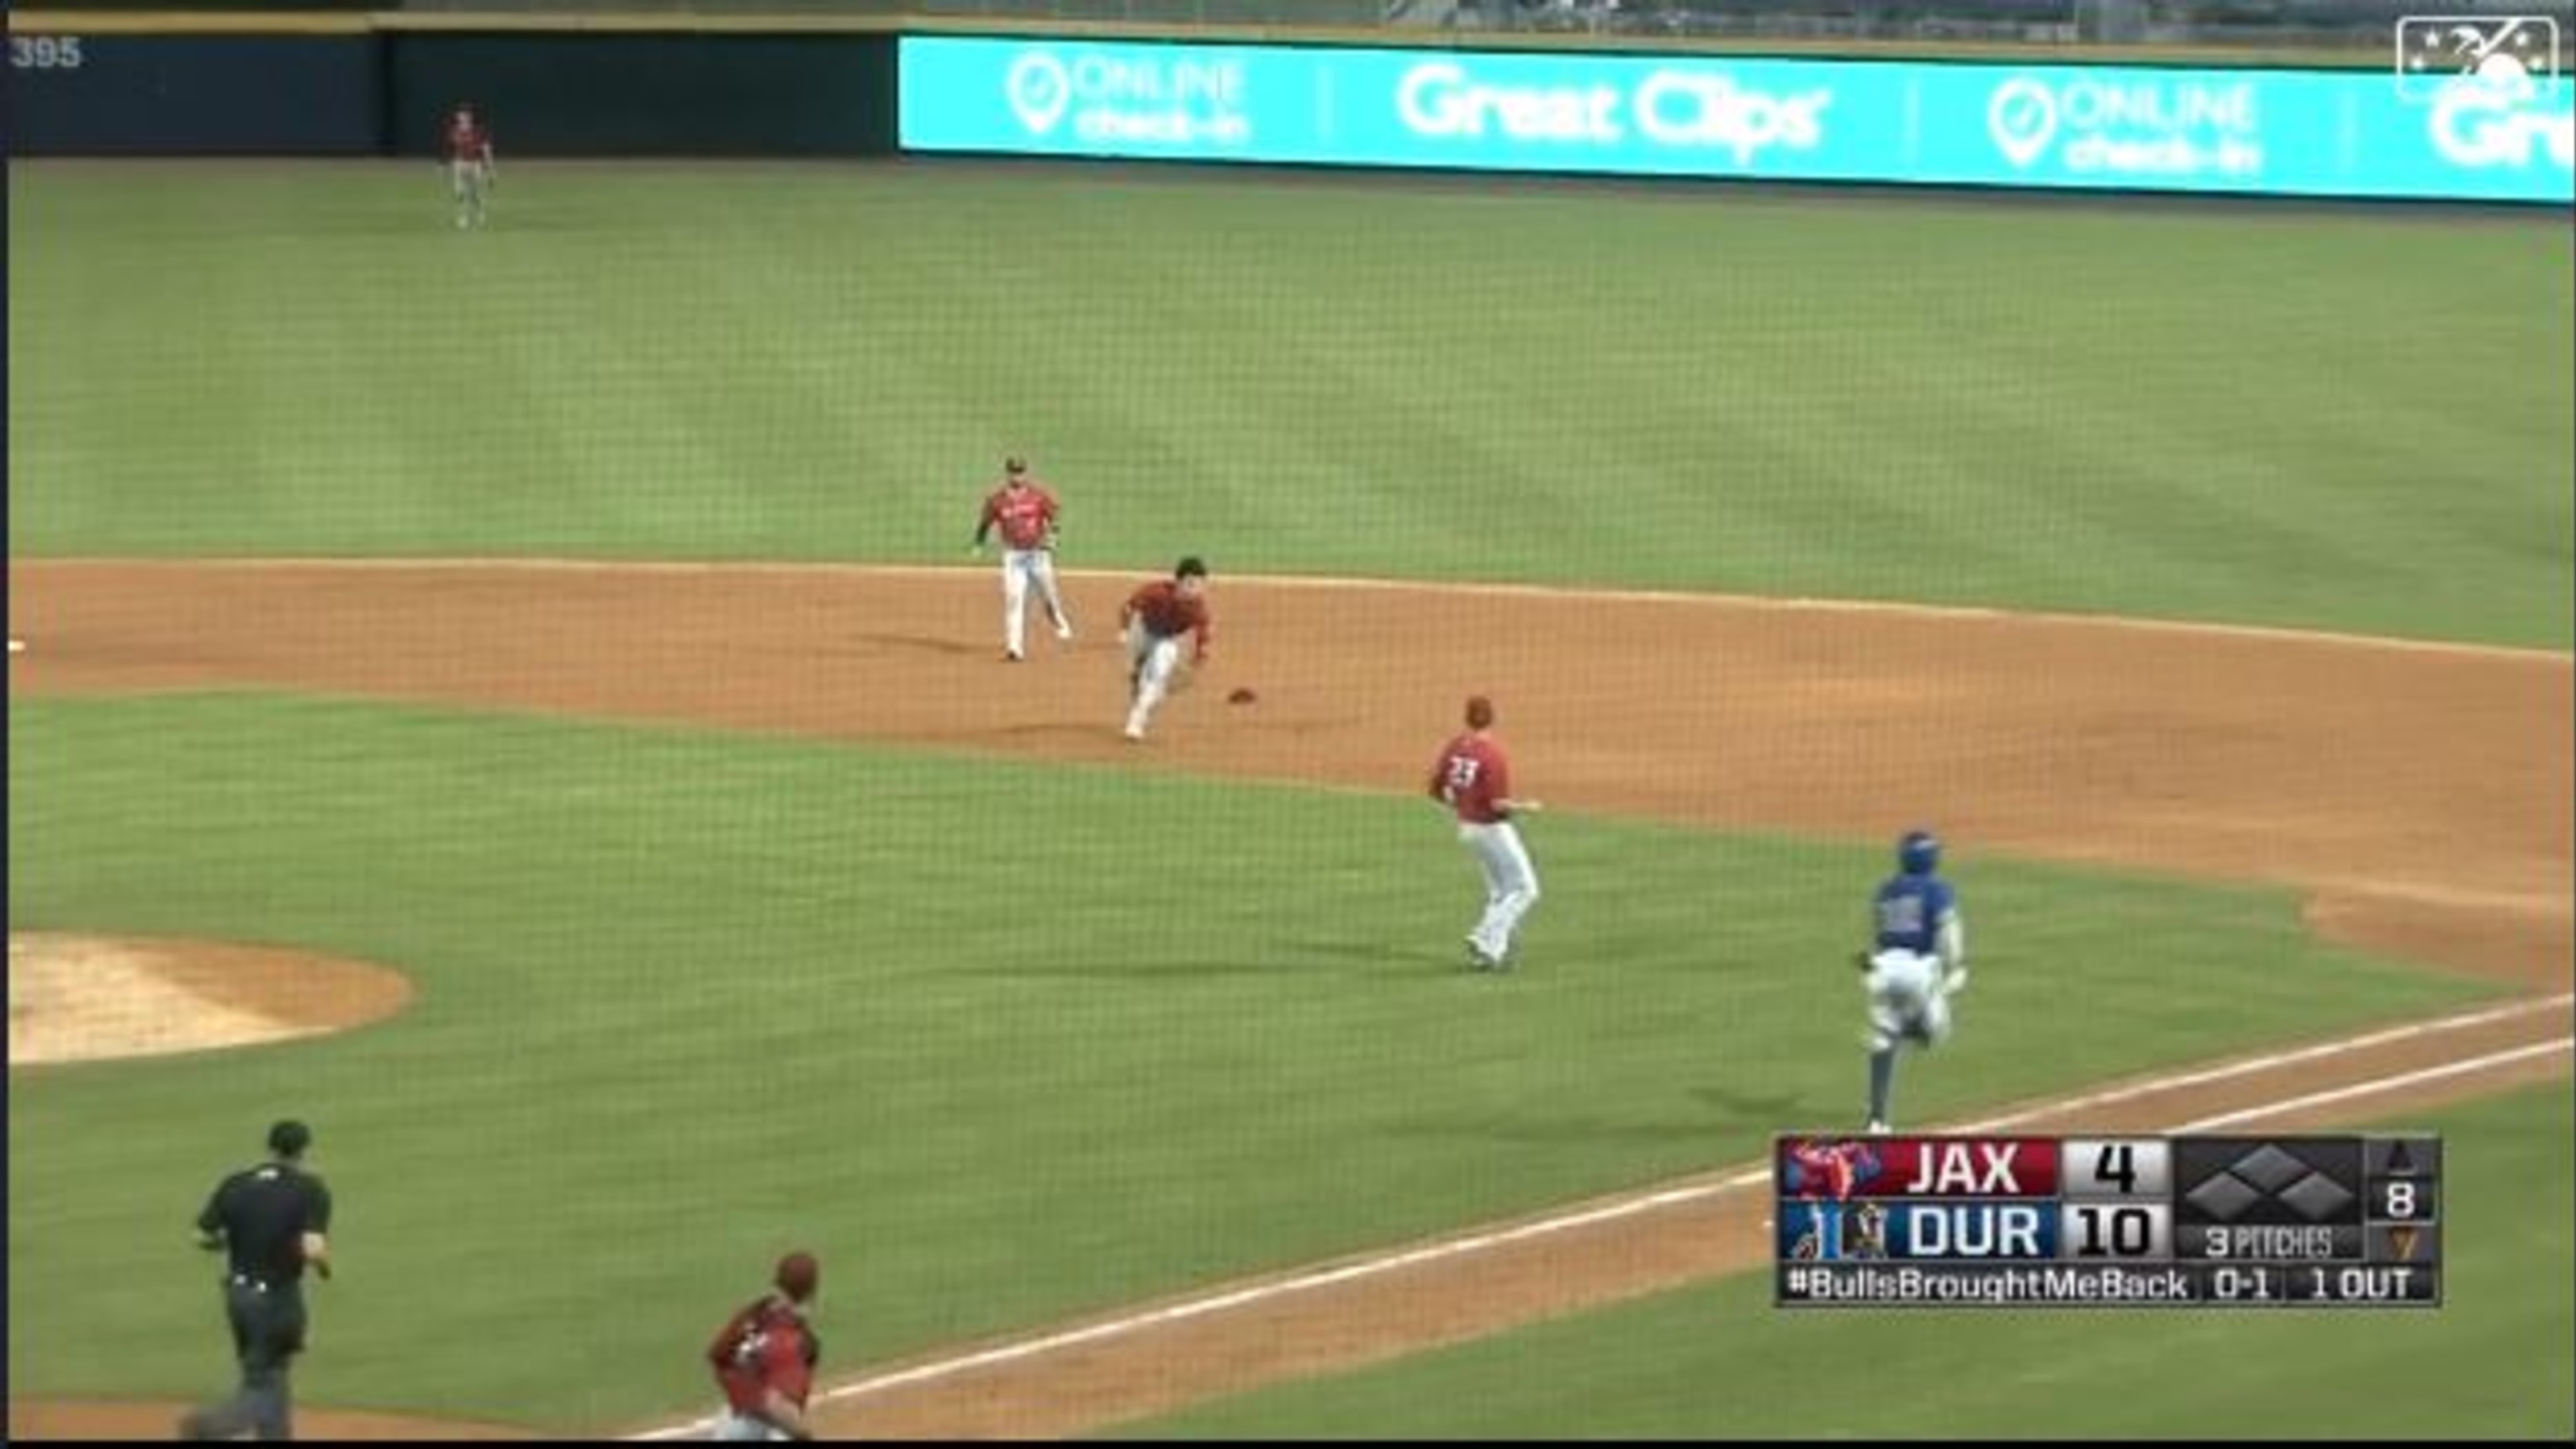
2108 1222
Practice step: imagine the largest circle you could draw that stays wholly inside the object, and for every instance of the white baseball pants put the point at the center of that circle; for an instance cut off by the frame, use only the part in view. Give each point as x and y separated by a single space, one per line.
1152 664
1511 884
1023 568
1907 1001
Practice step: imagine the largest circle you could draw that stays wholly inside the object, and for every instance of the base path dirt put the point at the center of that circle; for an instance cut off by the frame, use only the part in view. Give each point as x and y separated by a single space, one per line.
2421 796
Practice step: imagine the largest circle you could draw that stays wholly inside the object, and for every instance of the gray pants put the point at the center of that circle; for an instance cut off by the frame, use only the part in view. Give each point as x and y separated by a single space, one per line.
268 1332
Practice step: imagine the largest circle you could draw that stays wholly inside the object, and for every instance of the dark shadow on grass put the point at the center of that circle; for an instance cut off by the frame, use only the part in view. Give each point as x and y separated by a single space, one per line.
1560 1131
1757 1108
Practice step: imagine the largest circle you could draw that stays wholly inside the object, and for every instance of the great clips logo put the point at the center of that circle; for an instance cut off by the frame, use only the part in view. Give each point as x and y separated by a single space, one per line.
1151 99
2134 126
1666 109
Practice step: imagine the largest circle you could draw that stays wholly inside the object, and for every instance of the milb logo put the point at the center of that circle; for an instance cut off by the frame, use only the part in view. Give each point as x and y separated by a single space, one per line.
2491 81
2510 54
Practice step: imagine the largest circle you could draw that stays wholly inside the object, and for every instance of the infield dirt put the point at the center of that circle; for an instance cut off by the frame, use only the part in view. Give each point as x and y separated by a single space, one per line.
2419 796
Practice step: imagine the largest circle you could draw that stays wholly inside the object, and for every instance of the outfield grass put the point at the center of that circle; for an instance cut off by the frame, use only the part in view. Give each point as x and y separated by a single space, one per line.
2329 418
2498 1360
1003 1042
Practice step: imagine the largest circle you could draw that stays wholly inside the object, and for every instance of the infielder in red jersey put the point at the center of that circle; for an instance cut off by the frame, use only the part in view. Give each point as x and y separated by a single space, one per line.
1155 619
1027 515
470 169
1473 778
764 1358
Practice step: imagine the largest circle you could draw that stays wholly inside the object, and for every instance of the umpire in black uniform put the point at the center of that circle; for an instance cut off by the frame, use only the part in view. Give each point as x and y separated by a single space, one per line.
270 1223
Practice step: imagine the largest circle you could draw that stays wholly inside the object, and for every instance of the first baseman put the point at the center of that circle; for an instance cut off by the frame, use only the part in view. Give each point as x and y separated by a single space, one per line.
1918 962
1027 515
1156 618
764 1358
269 1223
1473 778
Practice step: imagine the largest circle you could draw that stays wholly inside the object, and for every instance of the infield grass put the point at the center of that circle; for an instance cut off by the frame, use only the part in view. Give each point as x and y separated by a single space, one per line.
1002 1042
2336 418
2497 1360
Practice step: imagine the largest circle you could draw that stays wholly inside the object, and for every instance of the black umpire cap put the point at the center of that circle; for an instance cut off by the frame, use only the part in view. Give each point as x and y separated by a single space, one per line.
289 1138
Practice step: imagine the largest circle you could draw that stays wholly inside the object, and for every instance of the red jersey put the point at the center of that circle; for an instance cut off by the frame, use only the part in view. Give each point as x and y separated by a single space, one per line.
1473 779
1168 613
467 140
764 1347
1026 516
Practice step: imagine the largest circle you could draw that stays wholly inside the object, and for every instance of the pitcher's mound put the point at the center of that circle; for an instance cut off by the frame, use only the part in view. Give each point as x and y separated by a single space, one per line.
59 1421
75 998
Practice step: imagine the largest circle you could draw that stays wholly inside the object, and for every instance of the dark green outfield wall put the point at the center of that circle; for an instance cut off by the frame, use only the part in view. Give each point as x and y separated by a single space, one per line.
120 92
576 94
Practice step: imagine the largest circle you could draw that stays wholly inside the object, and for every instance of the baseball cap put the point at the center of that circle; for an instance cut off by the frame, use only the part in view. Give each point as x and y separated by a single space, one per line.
289 1138
798 1276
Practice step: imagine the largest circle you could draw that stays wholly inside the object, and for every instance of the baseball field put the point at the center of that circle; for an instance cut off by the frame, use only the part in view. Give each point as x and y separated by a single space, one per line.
520 701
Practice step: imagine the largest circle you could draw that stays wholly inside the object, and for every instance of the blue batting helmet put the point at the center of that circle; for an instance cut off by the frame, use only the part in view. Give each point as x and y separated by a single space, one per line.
1919 852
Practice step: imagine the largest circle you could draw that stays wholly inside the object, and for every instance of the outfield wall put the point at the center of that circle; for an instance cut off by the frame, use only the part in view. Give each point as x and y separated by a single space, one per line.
695 86
126 94
574 94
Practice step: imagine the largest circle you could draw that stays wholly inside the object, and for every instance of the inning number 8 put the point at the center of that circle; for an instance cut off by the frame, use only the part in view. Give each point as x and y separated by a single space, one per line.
2401 1199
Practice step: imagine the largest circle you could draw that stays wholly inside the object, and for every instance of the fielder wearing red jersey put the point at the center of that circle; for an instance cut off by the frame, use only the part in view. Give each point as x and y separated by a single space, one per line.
764 1358
1027 516
1156 618
1473 778
470 170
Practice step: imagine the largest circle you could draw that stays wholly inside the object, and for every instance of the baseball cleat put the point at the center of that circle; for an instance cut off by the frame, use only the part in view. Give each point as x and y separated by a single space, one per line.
1064 632
1877 1128
1010 656
1135 735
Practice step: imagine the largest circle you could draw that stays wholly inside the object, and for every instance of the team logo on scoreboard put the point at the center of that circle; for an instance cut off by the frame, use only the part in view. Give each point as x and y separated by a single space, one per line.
1830 1232
1813 1169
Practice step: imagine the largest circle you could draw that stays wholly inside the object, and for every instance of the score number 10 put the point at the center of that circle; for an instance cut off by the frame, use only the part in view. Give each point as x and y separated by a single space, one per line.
2118 1198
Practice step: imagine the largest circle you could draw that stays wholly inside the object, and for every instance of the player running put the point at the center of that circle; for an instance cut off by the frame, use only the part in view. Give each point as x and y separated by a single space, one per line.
470 169
1473 778
1029 519
1919 962
764 1358
1154 619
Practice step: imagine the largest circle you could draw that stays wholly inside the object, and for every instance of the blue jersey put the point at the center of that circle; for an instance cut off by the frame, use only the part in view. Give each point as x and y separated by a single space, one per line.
1909 912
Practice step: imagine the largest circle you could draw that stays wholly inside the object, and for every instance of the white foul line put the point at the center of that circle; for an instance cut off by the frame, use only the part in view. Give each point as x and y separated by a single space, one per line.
1655 1200
2184 1080
2378 1085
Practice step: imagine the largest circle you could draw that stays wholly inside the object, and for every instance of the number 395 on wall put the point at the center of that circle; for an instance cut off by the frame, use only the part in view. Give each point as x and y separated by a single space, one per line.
44 52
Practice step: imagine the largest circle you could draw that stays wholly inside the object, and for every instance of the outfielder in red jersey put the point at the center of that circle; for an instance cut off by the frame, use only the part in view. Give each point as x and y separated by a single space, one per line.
470 169
1155 619
1473 778
764 1358
1026 513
